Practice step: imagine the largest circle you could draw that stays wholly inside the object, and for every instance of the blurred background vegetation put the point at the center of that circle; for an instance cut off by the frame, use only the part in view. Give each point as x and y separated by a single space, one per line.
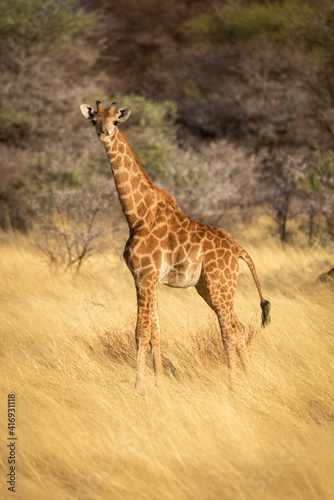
233 108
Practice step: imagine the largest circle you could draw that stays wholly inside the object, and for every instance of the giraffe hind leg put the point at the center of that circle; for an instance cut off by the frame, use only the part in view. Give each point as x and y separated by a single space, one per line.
241 344
223 311
232 330
155 344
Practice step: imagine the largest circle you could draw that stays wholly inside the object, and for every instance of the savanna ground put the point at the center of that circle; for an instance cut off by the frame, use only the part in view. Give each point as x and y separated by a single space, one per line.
68 354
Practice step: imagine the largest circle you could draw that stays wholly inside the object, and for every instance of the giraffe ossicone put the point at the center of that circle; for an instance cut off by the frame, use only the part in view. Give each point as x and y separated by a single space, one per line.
165 246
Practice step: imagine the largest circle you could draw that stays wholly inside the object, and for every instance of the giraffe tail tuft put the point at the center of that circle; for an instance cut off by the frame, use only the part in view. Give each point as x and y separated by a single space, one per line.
265 306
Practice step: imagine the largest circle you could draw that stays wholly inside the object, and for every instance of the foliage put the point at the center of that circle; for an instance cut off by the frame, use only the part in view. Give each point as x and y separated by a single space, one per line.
204 118
320 176
39 24
281 180
151 115
315 27
311 22
154 157
15 125
318 183
153 133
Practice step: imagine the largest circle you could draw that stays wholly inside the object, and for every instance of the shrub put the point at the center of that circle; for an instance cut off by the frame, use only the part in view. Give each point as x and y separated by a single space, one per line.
310 22
318 183
70 232
15 125
320 176
153 133
46 25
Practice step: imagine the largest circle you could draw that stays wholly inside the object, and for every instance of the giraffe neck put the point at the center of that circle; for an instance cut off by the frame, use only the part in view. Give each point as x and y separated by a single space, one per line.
135 189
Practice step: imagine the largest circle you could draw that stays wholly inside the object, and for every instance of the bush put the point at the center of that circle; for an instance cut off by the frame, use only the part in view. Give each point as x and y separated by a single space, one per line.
318 184
69 231
15 125
320 176
310 22
43 25
153 134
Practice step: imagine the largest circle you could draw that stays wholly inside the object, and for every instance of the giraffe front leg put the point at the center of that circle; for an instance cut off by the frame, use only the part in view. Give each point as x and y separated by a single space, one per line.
143 331
155 343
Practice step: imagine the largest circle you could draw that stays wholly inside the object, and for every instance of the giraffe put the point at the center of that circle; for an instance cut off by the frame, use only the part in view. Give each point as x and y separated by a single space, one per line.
165 246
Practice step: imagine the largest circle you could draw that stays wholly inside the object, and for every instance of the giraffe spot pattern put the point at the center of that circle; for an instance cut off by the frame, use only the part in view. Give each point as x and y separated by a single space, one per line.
166 246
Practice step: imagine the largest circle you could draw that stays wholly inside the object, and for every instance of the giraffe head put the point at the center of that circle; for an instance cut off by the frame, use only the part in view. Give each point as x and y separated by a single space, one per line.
105 120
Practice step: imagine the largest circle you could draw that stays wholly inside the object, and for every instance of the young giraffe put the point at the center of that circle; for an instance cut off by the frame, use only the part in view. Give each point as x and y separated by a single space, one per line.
166 246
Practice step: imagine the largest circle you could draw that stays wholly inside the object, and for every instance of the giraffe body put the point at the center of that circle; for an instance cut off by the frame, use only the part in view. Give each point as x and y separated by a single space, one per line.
165 246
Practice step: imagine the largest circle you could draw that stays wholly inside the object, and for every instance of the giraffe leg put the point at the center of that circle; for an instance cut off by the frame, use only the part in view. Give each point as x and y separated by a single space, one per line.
229 340
241 346
145 301
155 344
222 308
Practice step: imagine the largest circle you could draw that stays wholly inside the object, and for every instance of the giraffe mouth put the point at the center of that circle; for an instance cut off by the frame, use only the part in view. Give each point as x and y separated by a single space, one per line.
103 135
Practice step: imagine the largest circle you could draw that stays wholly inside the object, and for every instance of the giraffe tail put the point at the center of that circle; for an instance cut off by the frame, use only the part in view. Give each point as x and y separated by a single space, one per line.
265 304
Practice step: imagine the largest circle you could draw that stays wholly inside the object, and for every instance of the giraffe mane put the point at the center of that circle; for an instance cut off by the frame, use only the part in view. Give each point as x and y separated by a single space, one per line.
170 200
166 196
133 154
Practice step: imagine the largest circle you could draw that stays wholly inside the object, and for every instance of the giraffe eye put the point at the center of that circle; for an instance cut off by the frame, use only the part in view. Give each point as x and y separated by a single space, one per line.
115 123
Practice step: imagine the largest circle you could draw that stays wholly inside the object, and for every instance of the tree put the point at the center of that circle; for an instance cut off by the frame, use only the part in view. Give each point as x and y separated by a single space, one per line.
281 188
70 232
318 184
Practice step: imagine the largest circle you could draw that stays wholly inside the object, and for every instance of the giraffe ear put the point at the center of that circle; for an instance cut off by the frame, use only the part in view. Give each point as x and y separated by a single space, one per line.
123 114
87 111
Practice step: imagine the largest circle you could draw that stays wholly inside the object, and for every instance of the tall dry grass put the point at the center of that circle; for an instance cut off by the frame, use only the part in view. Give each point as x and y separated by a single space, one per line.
67 352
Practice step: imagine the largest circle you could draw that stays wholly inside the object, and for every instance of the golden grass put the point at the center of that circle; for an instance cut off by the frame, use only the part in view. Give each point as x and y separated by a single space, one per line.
67 352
